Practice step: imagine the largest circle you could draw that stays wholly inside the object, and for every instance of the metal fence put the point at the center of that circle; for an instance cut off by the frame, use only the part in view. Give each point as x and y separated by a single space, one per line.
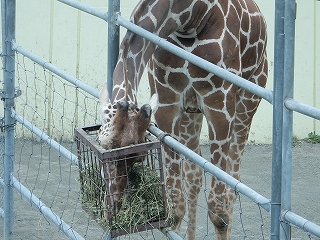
47 135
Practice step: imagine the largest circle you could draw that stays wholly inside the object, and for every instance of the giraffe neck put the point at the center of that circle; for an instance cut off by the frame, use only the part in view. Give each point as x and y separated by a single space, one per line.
161 18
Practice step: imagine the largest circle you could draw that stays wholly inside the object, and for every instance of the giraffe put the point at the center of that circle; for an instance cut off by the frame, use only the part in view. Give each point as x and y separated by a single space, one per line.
228 33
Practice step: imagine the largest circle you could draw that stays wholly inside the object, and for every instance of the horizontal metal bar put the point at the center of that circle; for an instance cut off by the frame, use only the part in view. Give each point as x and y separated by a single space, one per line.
60 149
206 65
171 234
94 92
302 108
302 223
212 169
86 8
45 210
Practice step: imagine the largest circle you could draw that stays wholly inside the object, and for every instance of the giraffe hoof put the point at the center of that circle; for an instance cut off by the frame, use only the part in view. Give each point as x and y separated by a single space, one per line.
221 223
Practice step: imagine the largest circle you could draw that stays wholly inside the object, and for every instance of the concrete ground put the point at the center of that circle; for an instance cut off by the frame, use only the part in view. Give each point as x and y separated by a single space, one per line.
55 182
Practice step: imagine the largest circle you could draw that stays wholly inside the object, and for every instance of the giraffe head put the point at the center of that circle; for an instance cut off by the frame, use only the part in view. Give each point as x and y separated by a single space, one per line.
124 125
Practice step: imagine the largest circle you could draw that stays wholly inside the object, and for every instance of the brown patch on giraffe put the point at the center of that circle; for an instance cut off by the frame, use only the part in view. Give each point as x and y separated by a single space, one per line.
194 167
231 56
199 10
168 59
210 52
170 24
189 176
233 21
159 13
218 82
178 81
203 87
219 188
198 182
148 24
183 17
216 101
236 167
160 72
175 168
169 97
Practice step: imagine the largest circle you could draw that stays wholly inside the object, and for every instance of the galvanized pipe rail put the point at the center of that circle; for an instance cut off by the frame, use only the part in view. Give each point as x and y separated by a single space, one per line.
43 136
46 211
301 222
45 64
302 108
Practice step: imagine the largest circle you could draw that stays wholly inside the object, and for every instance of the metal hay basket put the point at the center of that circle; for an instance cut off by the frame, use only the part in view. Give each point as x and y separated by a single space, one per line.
146 178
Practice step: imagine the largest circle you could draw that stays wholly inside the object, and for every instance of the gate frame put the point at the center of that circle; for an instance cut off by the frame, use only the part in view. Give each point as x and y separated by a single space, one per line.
8 95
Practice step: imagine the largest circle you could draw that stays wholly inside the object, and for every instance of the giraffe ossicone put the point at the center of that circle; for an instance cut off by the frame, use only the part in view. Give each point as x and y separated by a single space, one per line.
228 33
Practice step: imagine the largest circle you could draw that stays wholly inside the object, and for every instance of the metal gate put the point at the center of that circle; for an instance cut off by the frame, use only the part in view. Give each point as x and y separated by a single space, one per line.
281 97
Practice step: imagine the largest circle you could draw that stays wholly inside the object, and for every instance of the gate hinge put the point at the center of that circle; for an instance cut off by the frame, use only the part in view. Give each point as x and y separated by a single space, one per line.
3 95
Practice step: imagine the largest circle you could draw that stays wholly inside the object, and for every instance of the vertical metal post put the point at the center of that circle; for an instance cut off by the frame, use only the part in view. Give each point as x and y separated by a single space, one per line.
8 94
113 47
113 41
278 97
289 30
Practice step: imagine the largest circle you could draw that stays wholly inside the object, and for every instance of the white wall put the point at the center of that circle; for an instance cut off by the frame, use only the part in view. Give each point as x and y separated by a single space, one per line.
77 43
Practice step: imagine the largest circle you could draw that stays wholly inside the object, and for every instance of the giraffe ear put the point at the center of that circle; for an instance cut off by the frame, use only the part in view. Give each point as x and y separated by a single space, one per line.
104 96
153 102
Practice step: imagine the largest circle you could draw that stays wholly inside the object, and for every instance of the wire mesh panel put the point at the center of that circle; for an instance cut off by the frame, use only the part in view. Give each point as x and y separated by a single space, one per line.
142 204
55 107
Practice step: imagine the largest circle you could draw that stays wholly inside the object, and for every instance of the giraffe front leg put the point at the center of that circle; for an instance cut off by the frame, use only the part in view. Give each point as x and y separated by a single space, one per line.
167 118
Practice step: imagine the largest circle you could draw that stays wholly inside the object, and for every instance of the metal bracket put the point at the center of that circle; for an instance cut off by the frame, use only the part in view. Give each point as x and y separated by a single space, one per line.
1 123
3 95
